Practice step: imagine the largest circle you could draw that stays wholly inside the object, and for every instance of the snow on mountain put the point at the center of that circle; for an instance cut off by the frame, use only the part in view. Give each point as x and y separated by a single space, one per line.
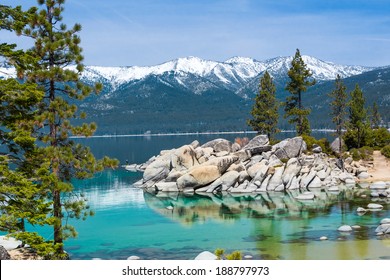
322 70
231 74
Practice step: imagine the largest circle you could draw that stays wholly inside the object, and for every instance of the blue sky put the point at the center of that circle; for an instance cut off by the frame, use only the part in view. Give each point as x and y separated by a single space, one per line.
148 32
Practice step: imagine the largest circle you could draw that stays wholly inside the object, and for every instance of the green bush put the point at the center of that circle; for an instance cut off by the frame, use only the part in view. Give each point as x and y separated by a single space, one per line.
371 137
379 137
220 253
364 153
323 143
386 151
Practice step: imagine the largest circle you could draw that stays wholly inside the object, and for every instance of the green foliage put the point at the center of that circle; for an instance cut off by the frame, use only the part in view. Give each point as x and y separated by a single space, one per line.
339 107
386 151
364 153
358 125
235 255
376 117
323 143
299 76
265 109
379 138
37 116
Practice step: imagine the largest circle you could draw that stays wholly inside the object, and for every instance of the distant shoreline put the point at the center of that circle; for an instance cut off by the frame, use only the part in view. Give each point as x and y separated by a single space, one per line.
186 133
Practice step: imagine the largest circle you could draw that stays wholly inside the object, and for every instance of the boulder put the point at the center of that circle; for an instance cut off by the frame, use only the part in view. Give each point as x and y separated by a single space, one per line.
264 184
158 169
323 174
316 149
236 167
315 183
174 175
4 255
345 228
293 167
276 179
374 206
383 228
206 256
184 158
306 180
198 176
229 178
385 221
260 167
243 176
335 146
223 163
363 175
257 141
293 184
361 210
242 155
378 186
219 145
9 243
290 148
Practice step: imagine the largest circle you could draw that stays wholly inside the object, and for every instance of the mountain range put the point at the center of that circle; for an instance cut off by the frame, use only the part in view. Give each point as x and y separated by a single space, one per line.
191 94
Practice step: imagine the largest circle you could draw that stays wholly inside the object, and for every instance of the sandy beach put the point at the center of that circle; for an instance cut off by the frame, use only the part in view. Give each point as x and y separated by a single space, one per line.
380 170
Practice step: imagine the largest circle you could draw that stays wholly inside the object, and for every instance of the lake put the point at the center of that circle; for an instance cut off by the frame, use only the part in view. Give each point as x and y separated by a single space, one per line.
130 222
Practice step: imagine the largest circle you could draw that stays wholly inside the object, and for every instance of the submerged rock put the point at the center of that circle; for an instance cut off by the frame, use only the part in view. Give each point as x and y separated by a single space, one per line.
374 206
206 256
345 228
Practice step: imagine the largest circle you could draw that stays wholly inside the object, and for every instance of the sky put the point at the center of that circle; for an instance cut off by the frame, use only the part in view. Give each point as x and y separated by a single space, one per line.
150 32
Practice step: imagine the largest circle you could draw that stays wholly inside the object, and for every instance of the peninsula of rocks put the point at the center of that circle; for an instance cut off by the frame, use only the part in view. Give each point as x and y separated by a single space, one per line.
222 166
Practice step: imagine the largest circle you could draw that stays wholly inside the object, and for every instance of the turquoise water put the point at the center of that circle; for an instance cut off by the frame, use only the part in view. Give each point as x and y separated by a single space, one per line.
129 222
266 226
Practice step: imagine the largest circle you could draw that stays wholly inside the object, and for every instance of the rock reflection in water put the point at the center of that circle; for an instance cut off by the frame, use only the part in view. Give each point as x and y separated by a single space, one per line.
188 209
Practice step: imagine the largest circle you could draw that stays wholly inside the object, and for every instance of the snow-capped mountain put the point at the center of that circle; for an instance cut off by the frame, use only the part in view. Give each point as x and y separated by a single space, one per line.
231 74
193 94
188 72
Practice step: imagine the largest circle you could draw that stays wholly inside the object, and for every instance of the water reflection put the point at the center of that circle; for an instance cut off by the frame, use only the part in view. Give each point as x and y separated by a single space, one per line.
188 209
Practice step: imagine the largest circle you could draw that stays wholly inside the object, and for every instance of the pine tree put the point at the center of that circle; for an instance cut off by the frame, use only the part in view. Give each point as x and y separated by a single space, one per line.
376 117
59 159
265 109
21 199
357 118
299 76
339 108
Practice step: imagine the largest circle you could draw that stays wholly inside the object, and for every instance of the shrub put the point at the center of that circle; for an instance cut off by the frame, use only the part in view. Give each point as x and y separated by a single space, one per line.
386 151
364 153
220 253
379 137
323 143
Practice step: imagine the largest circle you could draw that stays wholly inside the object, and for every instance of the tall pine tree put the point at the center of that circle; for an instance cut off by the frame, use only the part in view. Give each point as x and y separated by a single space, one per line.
300 79
339 108
358 125
376 117
265 109
21 199
58 158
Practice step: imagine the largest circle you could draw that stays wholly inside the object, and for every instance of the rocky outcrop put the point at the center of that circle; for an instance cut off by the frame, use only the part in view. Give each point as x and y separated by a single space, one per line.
4 255
220 166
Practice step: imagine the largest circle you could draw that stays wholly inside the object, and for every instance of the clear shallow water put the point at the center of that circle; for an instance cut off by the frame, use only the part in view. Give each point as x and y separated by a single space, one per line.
267 225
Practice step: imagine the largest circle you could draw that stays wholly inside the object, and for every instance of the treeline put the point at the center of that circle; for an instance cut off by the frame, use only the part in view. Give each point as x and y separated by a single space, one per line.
356 126
38 159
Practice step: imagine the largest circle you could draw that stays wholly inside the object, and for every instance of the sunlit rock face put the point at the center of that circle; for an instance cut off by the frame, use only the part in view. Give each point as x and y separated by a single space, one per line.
258 167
